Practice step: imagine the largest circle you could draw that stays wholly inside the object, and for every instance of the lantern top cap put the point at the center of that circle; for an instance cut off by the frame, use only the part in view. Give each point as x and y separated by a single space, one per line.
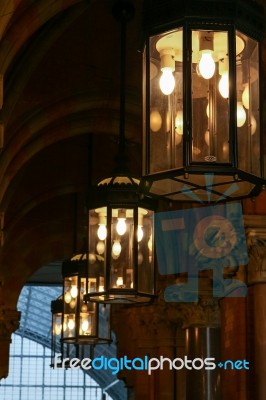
247 15
120 180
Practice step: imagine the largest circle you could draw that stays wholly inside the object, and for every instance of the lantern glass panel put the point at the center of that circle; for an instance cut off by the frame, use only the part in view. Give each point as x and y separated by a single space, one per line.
87 326
70 306
210 94
122 236
166 101
248 123
145 253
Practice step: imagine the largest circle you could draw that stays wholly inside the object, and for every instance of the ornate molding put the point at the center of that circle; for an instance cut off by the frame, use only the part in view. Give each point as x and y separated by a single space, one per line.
9 323
255 226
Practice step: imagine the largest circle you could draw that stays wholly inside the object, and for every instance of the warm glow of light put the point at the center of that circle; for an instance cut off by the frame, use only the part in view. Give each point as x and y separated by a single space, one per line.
140 233
155 121
74 291
100 247
179 126
119 281
102 232
224 85
207 64
207 137
68 297
85 325
58 328
245 96
121 226
167 81
116 248
150 243
71 324
241 114
253 124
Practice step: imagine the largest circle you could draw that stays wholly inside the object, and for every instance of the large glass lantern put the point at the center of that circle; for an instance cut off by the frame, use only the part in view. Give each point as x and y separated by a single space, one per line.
202 100
121 232
80 317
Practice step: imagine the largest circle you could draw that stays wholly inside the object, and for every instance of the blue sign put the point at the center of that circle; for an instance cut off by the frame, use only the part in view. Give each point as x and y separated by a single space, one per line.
202 238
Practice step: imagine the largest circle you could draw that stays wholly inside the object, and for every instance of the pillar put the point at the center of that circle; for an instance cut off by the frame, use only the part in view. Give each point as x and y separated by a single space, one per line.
9 322
256 241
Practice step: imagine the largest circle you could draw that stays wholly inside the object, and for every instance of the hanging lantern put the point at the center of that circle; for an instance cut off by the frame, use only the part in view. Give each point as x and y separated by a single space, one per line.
121 217
121 231
80 317
202 100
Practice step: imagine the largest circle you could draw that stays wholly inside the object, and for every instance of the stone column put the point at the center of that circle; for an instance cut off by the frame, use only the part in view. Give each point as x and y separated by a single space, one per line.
202 340
9 322
256 242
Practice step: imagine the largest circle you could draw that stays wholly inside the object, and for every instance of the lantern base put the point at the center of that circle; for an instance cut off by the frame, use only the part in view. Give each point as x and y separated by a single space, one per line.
119 297
204 184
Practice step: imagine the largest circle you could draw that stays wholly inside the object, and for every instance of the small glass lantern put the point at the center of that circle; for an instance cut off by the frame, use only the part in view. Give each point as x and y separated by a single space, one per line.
80 317
202 100
121 231
62 353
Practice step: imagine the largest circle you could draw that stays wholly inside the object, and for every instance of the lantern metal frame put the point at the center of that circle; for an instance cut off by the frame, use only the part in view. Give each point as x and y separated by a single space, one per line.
210 179
113 194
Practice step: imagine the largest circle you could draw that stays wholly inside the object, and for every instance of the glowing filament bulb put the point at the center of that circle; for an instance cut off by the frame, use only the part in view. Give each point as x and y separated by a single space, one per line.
150 243
74 291
179 126
241 114
119 281
140 233
121 226
207 64
71 324
167 81
102 232
245 96
85 325
224 85
58 328
68 297
116 248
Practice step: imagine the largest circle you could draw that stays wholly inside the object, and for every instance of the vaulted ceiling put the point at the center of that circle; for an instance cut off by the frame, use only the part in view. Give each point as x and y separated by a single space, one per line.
60 71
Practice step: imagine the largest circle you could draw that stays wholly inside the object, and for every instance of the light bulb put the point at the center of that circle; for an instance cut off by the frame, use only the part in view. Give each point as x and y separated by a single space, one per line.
155 121
72 303
102 232
71 324
245 96
207 137
116 248
121 226
140 258
68 297
140 233
179 126
58 328
119 281
100 247
253 124
85 325
224 85
74 291
167 81
150 243
240 114
206 64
